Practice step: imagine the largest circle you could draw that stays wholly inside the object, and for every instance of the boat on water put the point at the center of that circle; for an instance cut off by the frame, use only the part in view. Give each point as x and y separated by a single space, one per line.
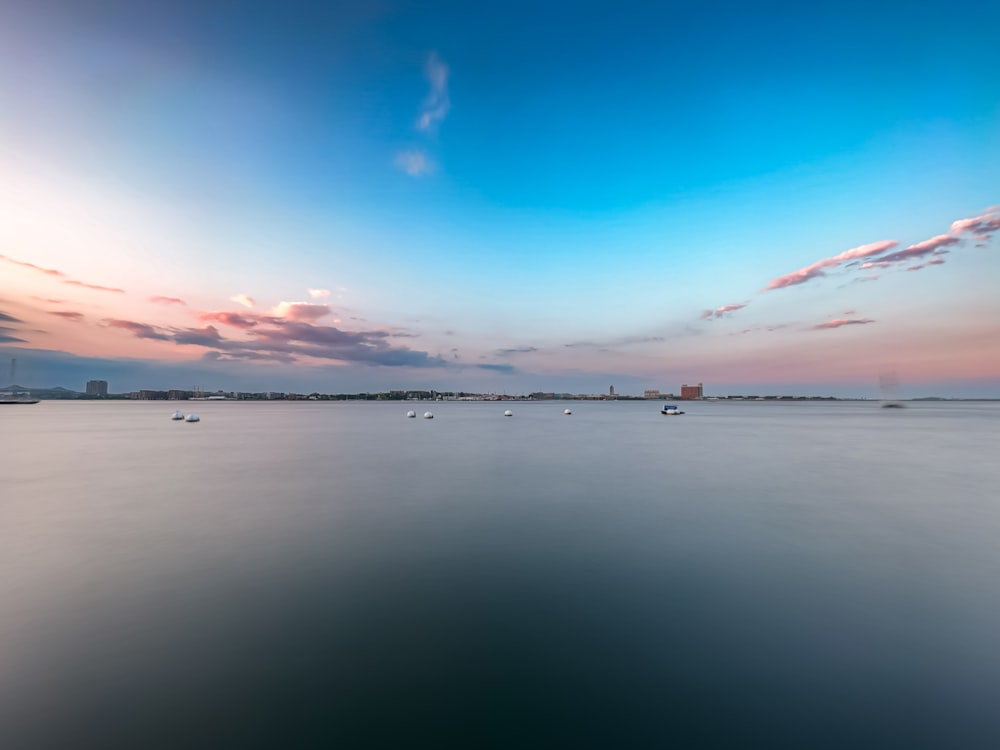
670 409
888 384
17 398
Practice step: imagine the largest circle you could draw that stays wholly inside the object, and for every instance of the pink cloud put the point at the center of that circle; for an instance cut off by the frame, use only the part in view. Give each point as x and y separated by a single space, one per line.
838 322
795 277
243 299
722 311
167 300
920 249
319 293
815 270
97 287
983 225
301 311
49 271
236 320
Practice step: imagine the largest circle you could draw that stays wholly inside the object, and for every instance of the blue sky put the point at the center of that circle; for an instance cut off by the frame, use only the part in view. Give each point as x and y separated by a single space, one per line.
501 196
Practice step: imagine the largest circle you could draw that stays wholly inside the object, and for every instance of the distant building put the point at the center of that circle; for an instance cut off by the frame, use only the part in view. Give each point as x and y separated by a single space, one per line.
97 388
653 393
692 392
612 392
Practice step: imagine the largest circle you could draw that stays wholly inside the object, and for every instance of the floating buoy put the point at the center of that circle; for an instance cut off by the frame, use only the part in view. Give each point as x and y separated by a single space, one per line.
508 413
192 418
428 415
177 415
411 414
567 411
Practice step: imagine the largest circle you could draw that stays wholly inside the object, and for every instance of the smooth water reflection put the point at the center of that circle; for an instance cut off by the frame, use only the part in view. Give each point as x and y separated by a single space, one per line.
309 575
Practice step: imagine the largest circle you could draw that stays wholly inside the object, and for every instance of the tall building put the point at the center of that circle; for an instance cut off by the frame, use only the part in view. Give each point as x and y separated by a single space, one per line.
691 392
612 392
98 388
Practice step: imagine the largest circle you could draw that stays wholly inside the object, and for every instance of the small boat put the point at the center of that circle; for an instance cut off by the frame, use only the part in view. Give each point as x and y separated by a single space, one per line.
177 415
17 398
670 409
14 396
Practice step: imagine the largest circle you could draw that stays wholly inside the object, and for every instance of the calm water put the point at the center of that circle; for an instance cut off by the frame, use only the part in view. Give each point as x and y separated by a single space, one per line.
335 575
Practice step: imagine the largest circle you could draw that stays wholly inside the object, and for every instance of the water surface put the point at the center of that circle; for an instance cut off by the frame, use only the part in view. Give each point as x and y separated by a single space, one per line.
333 574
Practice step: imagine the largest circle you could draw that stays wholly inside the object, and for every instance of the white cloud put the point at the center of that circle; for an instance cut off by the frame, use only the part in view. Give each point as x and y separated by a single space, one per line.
415 163
437 103
243 299
319 293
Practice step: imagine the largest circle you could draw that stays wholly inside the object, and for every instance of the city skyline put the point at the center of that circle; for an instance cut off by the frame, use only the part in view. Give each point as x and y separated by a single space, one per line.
501 197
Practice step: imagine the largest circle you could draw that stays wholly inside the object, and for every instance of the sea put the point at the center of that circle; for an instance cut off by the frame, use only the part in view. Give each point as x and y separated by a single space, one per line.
821 574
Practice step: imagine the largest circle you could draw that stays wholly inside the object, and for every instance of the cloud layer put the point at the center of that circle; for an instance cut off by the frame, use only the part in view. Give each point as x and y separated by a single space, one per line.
288 337
814 270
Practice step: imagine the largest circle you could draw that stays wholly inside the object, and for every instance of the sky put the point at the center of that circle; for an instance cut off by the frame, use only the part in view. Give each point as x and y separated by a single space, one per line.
510 197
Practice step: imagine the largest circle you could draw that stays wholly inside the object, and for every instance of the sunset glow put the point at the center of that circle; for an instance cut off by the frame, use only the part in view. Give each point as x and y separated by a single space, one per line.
352 200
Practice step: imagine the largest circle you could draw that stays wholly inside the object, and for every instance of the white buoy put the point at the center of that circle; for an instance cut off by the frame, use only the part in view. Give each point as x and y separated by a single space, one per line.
567 411
508 413
192 418
411 414
428 415
177 415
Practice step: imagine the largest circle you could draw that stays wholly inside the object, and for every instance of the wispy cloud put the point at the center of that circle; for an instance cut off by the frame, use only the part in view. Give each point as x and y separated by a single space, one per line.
516 350
920 249
48 271
319 293
95 287
167 300
437 102
243 299
7 336
815 270
769 329
840 322
61 275
505 369
607 345
76 317
139 330
414 162
9 318
722 311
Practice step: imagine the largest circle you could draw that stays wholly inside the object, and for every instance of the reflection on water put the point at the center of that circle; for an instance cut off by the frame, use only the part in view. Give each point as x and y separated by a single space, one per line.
310 575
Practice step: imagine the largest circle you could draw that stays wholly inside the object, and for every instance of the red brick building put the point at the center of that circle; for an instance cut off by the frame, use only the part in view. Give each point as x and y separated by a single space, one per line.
691 392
